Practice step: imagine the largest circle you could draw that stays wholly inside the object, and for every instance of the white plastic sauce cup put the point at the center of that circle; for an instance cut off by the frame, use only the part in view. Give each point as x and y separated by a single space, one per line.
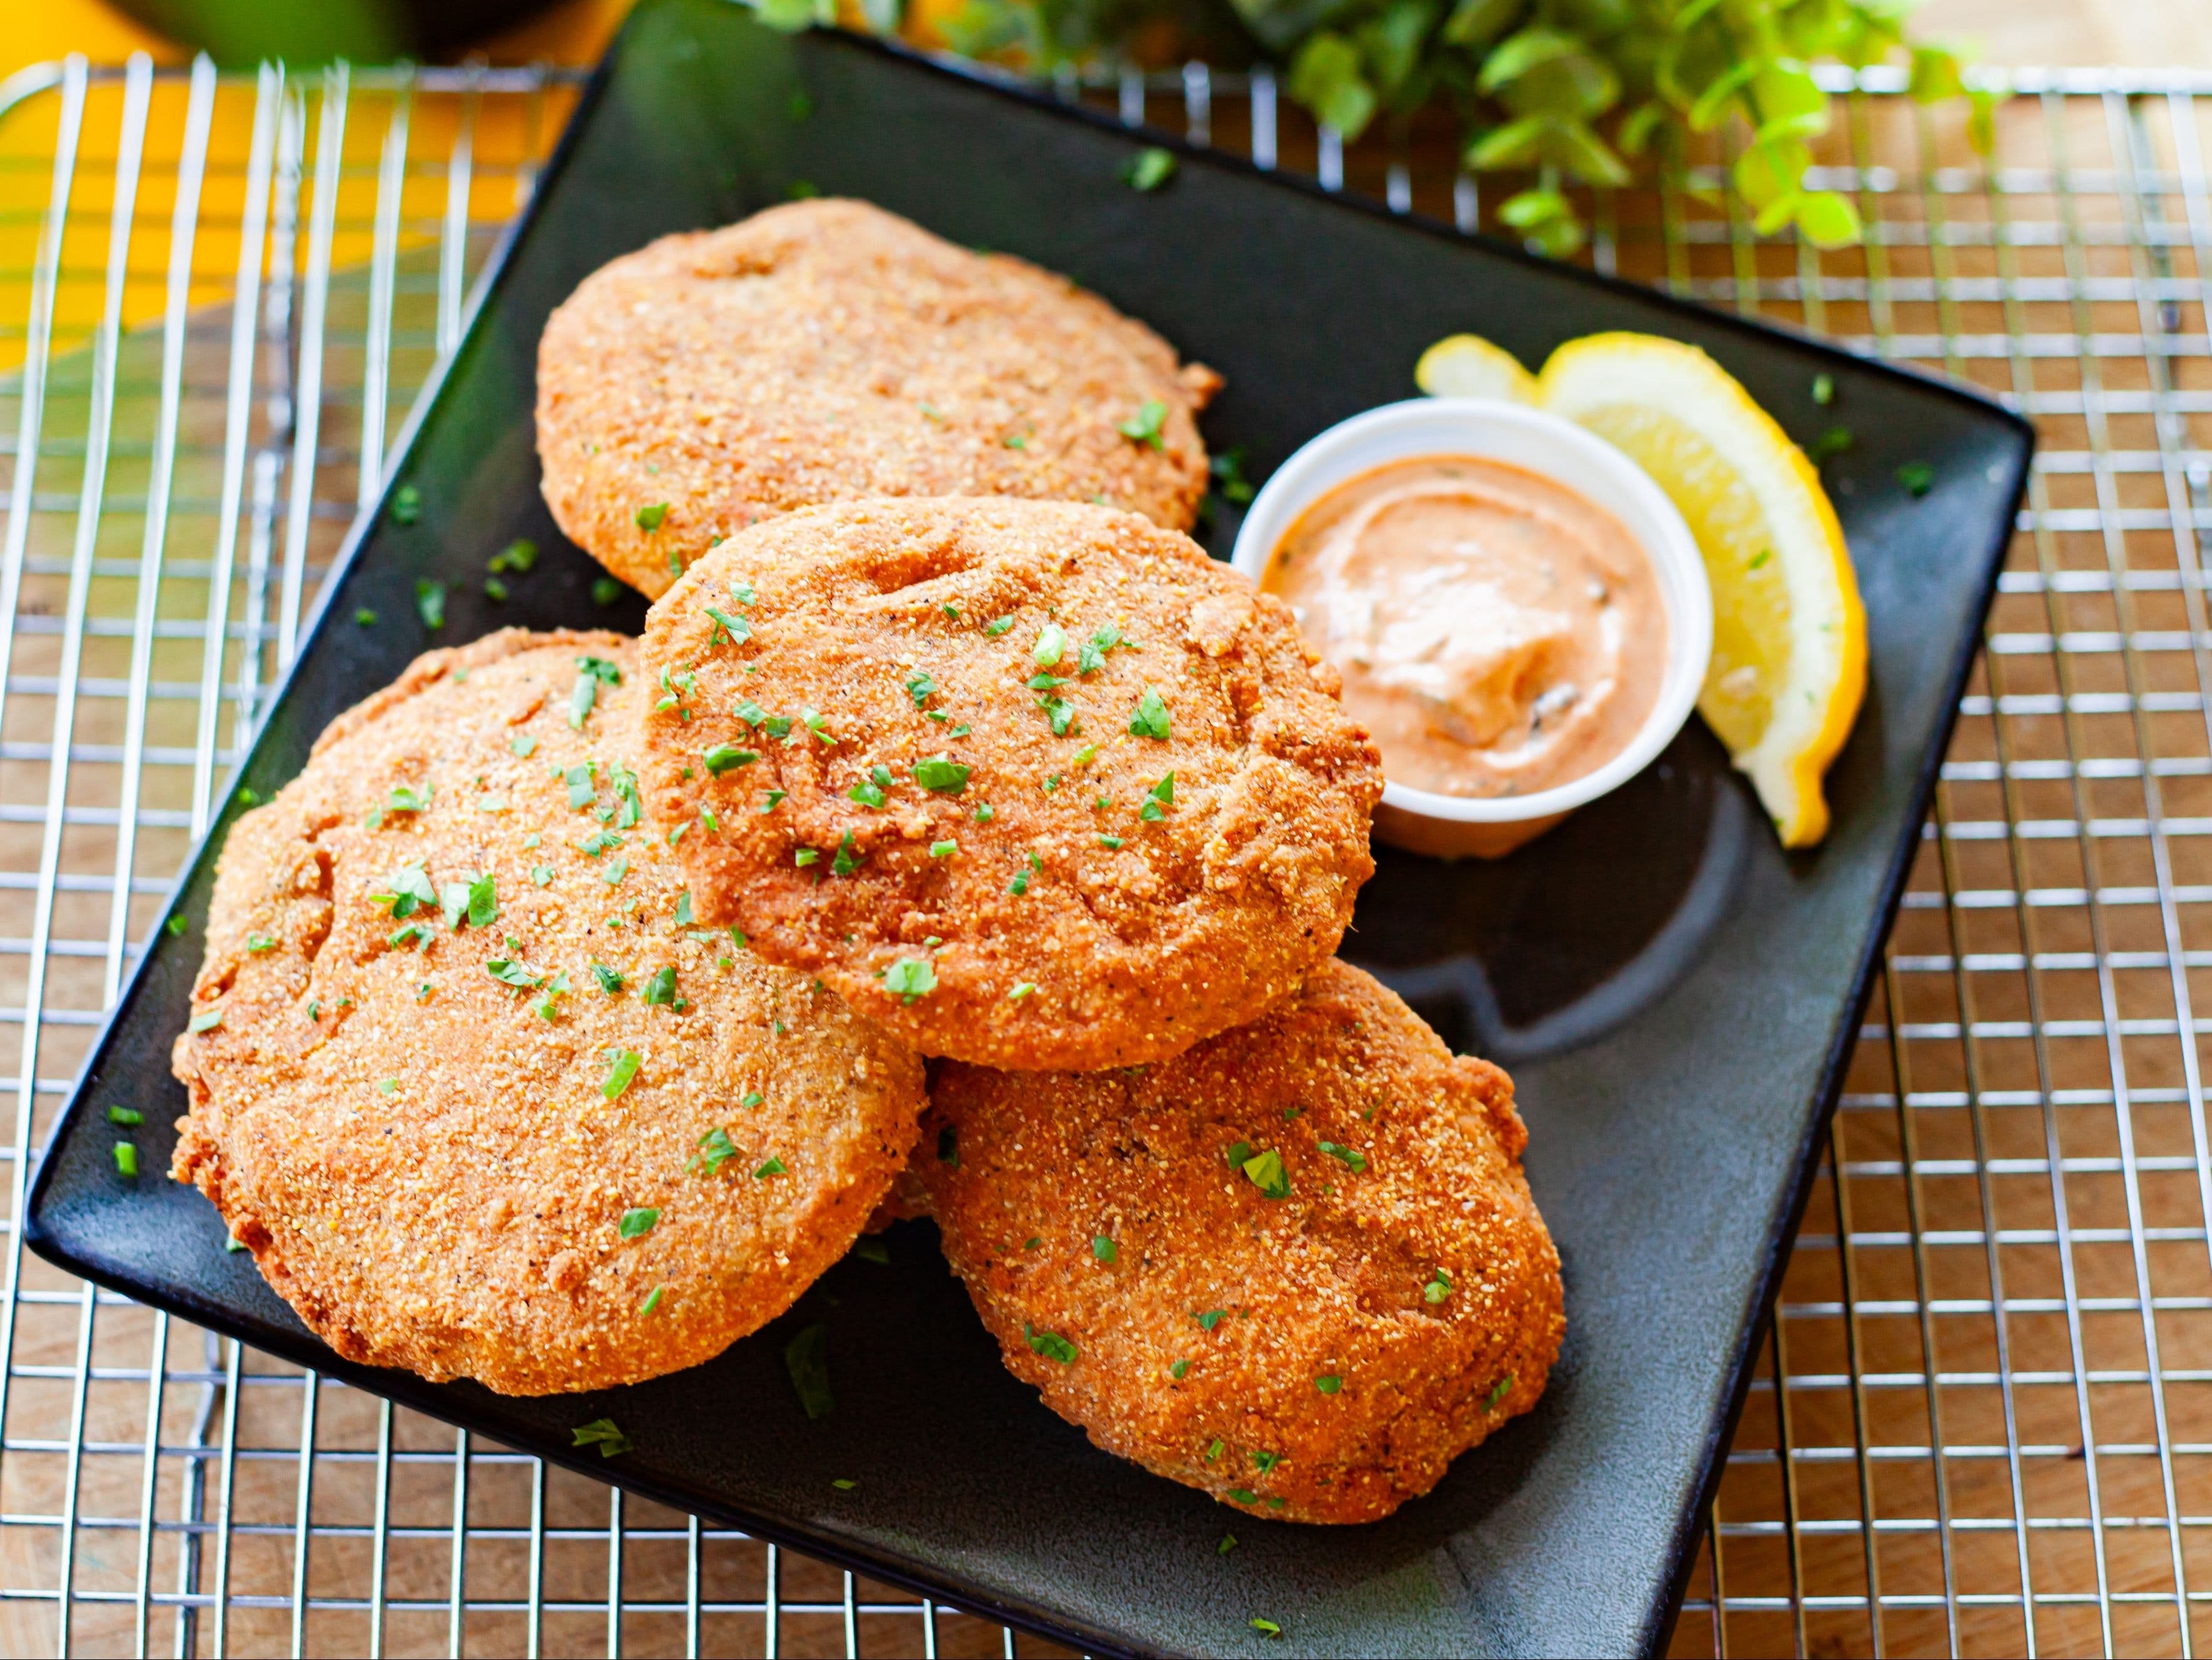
1489 430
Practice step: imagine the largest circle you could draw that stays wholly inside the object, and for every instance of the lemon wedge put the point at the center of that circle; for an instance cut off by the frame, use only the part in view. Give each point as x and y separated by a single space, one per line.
1468 366
1789 644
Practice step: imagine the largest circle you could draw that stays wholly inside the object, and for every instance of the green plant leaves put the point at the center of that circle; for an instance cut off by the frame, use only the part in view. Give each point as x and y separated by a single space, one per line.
1326 77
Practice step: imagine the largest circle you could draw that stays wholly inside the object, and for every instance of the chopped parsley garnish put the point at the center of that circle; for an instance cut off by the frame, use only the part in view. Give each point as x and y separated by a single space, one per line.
1059 713
660 990
773 1167
1102 1249
1213 1451
1265 1628
723 756
621 1068
1438 1289
1144 427
1227 471
752 1099
257 944
948 1145
650 516
405 798
805 857
494 588
1093 655
921 687
518 554
1238 1153
387 1086
1051 643
176 926
1177 1370
1265 1461
1149 718
715 1149
1148 169
1346 1156
364 616
999 625
604 592
1208 1321
1228 1543
867 792
846 861
591 671
404 889
1498 1393
942 776
414 933
508 972
1244 1496
984 813
684 917
1918 477
1265 1171
125 1116
738 628
638 1221
749 712
910 977
1020 884
615 872
1329 1385
1109 842
1049 1344
806 1358
546 1009
430 602
522 745
1021 990
1830 444
611 980
406 505
578 778
741 589
843 1483
601 1432
943 849
653 1300
126 1160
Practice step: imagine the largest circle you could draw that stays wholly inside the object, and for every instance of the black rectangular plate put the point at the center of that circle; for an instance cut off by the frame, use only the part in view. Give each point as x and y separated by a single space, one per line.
1676 995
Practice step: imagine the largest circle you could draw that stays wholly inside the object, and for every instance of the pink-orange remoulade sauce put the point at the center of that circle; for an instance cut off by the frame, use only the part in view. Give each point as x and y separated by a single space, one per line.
1498 634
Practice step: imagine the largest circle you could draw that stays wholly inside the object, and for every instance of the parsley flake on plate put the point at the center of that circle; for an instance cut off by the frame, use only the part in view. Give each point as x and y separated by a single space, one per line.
1228 1543
651 1301
773 1167
941 775
126 1159
1145 426
638 1222
1208 1321
1102 1249
430 602
611 980
405 798
650 516
601 1432
1346 1156
920 686
579 779
1148 169
1265 1628
847 860
660 990
723 756
715 1149
806 1358
1150 718
125 1116
509 972
1329 1385
868 793
943 849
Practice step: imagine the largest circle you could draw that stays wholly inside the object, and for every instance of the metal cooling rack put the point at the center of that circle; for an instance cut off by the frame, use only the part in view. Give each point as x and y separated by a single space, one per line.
1984 1423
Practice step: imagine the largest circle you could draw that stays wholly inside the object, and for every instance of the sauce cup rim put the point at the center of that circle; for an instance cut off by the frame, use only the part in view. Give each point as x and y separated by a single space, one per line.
1496 429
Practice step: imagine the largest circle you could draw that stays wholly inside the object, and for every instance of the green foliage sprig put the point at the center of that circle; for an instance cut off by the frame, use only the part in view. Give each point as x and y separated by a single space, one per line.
1572 91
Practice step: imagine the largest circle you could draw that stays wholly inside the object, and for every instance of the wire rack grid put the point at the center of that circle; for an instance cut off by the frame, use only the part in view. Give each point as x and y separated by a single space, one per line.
1983 1421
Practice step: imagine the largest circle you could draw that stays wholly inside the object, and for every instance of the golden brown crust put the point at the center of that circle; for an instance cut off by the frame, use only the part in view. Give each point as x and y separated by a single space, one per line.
1138 926
1259 1302
436 1179
825 350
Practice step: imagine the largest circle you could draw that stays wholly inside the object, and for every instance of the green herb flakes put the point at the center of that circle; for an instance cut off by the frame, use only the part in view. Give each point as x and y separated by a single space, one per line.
724 756
205 1020
844 1483
1109 842
126 1160
430 602
258 944
621 1068
1102 1249
509 972
805 857
650 516
1329 1385
660 990
601 1432
910 977
1051 643
651 1301
1208 1321
773 1167
1145 426
1438 1288
1148 169
518 556
1228 1543
1824 390
943 849
1265 1171
1265 1628
604 592
1049 1344
579 779
175 926
847 861
1918 477
942 776
611 980
806 1358
1349 1158
1024 988
125 1116
546 1008
364 618
1498 1393
738 629
999 625
1150 718
1830 444
868 793
715 1149
405 798
638 1222
1092 657
406 505
752 1099
1177 1370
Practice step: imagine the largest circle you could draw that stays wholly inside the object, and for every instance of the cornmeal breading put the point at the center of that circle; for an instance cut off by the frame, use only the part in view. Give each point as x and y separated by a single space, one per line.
470 1081
1034 784
1297 1267
827 350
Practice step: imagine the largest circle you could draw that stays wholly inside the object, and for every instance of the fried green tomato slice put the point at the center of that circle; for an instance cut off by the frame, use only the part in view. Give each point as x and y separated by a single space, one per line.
1298 1267
1034 784
827 350
470 1080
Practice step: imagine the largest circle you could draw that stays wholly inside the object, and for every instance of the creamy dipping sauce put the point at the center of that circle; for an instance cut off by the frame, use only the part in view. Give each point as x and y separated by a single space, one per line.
1498 634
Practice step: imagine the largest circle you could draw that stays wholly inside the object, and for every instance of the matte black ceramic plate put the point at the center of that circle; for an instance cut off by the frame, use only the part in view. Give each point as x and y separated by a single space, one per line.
1676 995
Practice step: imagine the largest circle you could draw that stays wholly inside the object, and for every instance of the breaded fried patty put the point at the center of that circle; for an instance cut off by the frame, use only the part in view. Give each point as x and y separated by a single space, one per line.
466 1079
1034 784
825 350
1298 1267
